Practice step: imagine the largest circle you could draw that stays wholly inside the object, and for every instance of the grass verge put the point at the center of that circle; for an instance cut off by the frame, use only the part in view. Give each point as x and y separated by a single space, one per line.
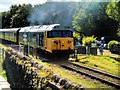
105 63
2 70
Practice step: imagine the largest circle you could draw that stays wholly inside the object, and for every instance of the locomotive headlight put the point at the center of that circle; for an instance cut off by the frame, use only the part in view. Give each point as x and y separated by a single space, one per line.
55 42
69 41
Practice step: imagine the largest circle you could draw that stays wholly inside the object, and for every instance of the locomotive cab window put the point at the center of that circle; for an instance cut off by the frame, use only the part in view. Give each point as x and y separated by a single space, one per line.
60 33
67 33
56 34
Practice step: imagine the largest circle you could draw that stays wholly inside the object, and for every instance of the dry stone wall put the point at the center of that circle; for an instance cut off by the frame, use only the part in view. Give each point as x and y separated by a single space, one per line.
24 72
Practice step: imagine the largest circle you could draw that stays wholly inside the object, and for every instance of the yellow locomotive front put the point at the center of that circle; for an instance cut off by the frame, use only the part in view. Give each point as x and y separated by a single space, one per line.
59 41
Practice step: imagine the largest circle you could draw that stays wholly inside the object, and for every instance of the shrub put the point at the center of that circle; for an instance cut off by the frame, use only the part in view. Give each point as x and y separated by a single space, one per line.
111 43
88 40
76 35
114 46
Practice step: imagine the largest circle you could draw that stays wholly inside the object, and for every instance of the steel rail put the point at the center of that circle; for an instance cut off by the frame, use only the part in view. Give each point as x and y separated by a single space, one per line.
97 71
117 86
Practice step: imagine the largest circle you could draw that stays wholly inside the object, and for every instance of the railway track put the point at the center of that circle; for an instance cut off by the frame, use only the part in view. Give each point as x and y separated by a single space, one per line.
104 77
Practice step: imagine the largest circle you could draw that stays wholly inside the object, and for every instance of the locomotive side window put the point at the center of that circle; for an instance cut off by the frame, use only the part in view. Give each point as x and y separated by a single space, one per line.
49 34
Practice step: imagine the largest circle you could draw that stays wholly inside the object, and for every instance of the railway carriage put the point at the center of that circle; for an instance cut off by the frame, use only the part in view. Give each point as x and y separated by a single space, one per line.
11 34
51 38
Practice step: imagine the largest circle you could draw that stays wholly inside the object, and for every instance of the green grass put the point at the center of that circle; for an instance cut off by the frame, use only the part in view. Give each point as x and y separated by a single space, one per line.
2 71
104 63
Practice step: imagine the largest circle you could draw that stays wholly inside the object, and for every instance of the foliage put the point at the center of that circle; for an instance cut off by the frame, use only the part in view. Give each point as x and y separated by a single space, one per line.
14 8
76 35
118 33
114 46
16 16
93 20
88 40
86 19
111 43
113 11
6 19
19 18
2 66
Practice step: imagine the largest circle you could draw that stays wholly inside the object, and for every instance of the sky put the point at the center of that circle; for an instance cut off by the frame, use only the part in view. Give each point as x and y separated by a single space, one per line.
5 4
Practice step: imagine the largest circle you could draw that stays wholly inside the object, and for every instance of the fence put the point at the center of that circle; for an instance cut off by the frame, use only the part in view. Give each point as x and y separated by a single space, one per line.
82 50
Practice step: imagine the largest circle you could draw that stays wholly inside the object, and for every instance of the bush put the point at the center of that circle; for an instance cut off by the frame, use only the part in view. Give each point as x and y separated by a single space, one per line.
76 35
111 43
114 46
88 40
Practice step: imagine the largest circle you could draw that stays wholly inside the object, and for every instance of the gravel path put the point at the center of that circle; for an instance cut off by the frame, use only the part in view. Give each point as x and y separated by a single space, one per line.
4 84
107 52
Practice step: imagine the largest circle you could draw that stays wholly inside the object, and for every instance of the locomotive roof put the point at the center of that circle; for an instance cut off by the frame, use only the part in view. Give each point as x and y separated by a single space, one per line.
40 28
9 30
43 28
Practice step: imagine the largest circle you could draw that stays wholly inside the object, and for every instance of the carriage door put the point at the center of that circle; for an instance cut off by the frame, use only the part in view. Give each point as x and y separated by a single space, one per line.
17 36
45 40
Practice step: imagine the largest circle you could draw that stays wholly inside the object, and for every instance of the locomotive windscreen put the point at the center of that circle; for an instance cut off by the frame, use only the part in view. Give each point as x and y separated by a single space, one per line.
60 33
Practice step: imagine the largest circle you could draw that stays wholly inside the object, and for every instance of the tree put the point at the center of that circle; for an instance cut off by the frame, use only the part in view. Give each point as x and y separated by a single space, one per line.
0 20
113 11
19 18
14 8
16 16
6 19
93 20
87 18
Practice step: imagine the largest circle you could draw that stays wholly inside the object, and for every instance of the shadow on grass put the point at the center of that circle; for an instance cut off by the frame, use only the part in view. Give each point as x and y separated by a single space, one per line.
85 62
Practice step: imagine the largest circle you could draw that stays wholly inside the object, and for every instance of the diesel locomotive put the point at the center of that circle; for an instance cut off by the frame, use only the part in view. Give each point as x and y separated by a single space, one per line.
52 38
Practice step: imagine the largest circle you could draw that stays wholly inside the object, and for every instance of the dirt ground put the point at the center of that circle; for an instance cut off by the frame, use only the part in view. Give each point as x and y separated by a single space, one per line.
107 52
